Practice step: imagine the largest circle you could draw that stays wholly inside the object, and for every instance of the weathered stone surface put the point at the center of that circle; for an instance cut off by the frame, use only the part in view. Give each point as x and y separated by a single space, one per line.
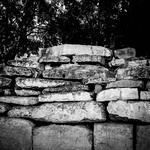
4 107
113 136
118 94
39 83
54 59
67 96
138 63
143 137
133 73
125 53
139 110
89 58
27 92
21 71
117 62
67 88
145 95
62 112
19 100
5 81
62 137
148 85
15 134
28 64
125 84
74 49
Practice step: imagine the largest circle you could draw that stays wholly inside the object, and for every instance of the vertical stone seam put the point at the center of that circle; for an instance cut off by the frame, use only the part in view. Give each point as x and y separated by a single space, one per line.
134 136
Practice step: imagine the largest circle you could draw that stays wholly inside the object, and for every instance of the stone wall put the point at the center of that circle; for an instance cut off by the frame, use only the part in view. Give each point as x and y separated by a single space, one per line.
75 97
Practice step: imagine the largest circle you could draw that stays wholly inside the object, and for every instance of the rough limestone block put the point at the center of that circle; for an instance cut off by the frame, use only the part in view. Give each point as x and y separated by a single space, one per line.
148 85
62 112
117 62
66 88
143 137
27 64
74 49
54 59
118 94
89 58
19 100
113 136
4 107
15 134
125 84
145 95
138 63
5 81
39 83
67 96
62 137
125 53
21 71
139 110
27 92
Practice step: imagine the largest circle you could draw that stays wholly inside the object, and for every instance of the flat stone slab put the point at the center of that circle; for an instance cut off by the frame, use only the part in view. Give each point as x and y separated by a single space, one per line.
117 62
125 53
138 63
54 59
19 100
113 136
27 64
75 49
118 94
89 58
21 71
66 88
67 96
143 137
62 112
4 107
27 92
15 134
39 83
125 84
145 95
139 110
5 81
62 137
133 73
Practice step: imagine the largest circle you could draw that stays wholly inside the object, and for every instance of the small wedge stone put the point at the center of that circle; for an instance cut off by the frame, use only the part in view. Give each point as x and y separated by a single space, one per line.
4 107
145 95
64 137
148 85
117 62
5 81
27 92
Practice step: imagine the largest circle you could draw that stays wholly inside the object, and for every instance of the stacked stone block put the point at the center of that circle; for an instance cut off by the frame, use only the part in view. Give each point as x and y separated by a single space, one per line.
78 97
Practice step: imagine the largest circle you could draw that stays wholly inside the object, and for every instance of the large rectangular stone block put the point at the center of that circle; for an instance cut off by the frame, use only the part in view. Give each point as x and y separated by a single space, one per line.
118 94
39 83
62 137
15 134
67 96
113 136
139 110
62 112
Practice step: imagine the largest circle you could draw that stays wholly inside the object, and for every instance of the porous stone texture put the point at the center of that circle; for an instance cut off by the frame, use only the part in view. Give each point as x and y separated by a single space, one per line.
39 83
62 137
118 94
89 58
125 53
139 110
19 100
133 73
5 81
4 107
28 64
67 96
62 112
15 134
113 136
75 49
125 84
27 92
143 137
145 95
117 62
66 88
